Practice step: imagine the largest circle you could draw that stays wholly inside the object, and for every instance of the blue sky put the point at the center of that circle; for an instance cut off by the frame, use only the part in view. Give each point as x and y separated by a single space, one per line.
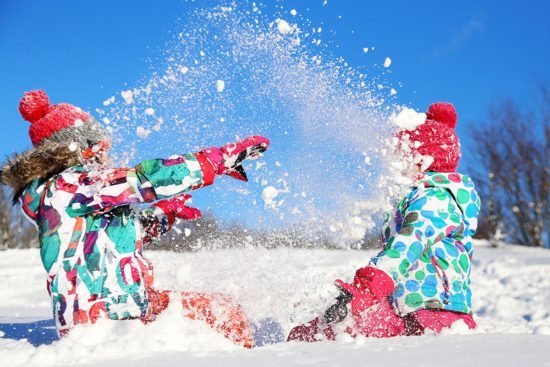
466 52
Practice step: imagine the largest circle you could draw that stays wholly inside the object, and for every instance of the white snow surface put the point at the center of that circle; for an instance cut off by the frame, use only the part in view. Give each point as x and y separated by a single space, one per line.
511 303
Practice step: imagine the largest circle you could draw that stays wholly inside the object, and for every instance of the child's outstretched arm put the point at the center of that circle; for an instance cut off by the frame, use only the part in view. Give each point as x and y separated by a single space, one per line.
156 179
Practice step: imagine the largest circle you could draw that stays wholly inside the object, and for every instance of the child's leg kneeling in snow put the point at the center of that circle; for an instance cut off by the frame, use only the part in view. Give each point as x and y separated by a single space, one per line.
378 321
382 322
220 311
417 323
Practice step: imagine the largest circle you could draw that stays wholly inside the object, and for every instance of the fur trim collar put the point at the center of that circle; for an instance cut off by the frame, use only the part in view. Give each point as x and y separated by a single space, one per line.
42 162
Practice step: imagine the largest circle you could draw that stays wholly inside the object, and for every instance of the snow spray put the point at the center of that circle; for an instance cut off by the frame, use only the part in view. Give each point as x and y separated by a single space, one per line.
232 71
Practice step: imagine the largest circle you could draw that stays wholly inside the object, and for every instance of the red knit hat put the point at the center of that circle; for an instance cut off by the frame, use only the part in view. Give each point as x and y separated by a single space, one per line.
61 122
436 138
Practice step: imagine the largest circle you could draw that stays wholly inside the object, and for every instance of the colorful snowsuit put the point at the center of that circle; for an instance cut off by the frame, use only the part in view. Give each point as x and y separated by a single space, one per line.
428 245
91 239
421 278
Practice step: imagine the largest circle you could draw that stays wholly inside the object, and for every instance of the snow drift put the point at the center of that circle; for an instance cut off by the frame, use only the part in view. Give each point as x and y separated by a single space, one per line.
511 297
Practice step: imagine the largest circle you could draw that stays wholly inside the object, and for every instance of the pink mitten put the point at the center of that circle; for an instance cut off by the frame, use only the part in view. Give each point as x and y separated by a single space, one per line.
229 158
175 208
369 286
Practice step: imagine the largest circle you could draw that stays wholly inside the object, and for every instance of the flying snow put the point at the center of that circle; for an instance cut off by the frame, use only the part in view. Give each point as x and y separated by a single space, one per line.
128 96
283 26
322 115
408 118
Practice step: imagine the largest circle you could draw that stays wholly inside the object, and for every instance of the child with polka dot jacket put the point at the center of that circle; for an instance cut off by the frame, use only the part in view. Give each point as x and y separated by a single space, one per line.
420 280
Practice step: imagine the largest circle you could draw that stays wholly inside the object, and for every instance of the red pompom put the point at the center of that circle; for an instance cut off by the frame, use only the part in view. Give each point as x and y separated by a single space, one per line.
34 105
443 112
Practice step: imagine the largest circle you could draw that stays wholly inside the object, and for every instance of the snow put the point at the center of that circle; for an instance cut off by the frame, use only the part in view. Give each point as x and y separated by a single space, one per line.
142 132
109 101
365 49
73 146
220 86
128 96
387 62
408 118
149 111
283 26
269 193
293 12
511 297
183 69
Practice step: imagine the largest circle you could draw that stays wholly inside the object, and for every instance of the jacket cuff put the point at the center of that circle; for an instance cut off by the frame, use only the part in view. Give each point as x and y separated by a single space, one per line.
379 283
207 168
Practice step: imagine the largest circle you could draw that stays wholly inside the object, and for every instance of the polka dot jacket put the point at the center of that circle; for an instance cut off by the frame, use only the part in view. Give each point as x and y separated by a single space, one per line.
428 245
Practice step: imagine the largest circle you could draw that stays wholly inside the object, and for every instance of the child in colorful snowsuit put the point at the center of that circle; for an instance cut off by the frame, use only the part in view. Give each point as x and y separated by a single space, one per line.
91 239
421 279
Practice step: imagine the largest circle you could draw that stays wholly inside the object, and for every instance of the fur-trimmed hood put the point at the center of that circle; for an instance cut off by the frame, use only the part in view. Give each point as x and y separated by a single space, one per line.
41 162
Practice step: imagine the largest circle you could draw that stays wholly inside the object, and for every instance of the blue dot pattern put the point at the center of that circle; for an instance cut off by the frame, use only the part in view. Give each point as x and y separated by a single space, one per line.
429 237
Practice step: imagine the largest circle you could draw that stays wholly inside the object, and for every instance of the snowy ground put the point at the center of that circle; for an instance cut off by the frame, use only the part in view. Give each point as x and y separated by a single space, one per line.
511 295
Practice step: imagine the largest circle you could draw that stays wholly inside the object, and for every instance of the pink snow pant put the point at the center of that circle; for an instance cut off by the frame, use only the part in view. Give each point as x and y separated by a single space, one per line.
380 321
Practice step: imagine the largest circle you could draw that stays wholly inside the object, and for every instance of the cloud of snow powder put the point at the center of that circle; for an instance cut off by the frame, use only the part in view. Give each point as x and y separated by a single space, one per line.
233 71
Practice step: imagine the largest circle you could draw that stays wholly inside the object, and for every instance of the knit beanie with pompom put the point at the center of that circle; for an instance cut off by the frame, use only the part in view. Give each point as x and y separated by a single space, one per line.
435 139
60 123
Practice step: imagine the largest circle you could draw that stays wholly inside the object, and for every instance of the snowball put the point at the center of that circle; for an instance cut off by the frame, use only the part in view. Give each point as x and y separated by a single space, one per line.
269 193
365 49
408 118
283 26
220 86
149 111
387 62
293 12
128 96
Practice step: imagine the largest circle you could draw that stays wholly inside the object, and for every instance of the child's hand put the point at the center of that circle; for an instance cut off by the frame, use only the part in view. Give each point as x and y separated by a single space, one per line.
176 208
230 157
